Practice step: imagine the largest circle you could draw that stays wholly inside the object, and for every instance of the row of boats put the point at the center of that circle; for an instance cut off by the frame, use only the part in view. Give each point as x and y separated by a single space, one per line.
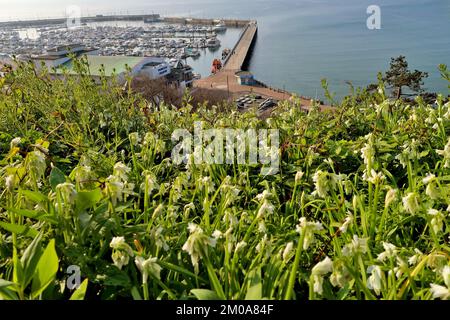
170 41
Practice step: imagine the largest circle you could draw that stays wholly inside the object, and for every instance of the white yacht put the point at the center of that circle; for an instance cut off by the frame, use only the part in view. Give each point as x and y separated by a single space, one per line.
213 43
220 27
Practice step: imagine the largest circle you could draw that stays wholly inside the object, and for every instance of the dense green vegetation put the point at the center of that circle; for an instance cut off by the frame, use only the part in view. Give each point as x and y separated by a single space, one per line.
359 209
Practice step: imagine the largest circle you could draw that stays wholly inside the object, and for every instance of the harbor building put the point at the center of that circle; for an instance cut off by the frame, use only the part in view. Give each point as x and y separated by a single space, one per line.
152 67
60 61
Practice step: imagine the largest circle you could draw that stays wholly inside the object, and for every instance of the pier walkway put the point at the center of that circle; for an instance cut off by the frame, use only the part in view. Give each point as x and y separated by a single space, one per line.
240 52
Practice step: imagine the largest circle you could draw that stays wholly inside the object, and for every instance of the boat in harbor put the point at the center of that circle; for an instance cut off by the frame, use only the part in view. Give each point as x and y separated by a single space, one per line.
220 27
213 43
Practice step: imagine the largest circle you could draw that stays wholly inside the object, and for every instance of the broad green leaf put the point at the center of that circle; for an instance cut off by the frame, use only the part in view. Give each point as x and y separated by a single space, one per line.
33 214
19 229
88 199
56 177
33 196
254 291
30 259
5 284
135 294
46 270
204 294
18 269
80 292
7 294
5 291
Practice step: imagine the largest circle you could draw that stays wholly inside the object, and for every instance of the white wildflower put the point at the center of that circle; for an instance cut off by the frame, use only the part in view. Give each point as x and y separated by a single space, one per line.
68 192
317 273
437 222
265 209
401 268
411 203
347 222
445 154
157 235
374 281
121 171
324 182
207 184
299 176
358 245
134 138
390 251
307 230
150 182
264 195
117 190
11 182
15 142
413 259
368 152
323 267
374 177
340 276
121 252
391 196
197 244
35 165
148 267
239 246
287 251
262 227
217 234
441 292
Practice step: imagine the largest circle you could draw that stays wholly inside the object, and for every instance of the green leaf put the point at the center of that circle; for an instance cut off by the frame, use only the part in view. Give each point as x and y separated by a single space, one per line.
45 271
18 229
5 292
178 269
30 260
32 214
135 294
254 291
204 294
80 292
18 269
33 196
5 284
88 199
56 177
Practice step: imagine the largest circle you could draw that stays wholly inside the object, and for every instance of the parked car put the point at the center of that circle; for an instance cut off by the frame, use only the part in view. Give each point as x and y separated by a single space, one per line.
268 103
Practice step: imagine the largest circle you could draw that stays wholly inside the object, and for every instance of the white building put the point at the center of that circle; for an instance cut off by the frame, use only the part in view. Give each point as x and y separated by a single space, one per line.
60 61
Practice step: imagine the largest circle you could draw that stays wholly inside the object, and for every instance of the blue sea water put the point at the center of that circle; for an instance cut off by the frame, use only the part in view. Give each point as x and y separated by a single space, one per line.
301 42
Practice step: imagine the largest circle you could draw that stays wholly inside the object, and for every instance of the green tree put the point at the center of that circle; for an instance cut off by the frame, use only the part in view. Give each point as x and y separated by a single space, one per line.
399 76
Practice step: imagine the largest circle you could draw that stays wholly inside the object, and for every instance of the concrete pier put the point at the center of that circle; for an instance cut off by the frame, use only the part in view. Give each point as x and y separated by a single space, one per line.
239 54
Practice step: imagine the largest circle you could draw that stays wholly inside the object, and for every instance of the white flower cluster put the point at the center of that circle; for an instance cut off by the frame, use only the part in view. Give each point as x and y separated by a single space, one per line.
324 183
197 244
442 292
148 267
117 187
307 230
121 252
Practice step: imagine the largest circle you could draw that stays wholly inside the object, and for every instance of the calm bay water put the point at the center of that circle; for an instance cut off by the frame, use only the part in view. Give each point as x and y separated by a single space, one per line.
302 41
